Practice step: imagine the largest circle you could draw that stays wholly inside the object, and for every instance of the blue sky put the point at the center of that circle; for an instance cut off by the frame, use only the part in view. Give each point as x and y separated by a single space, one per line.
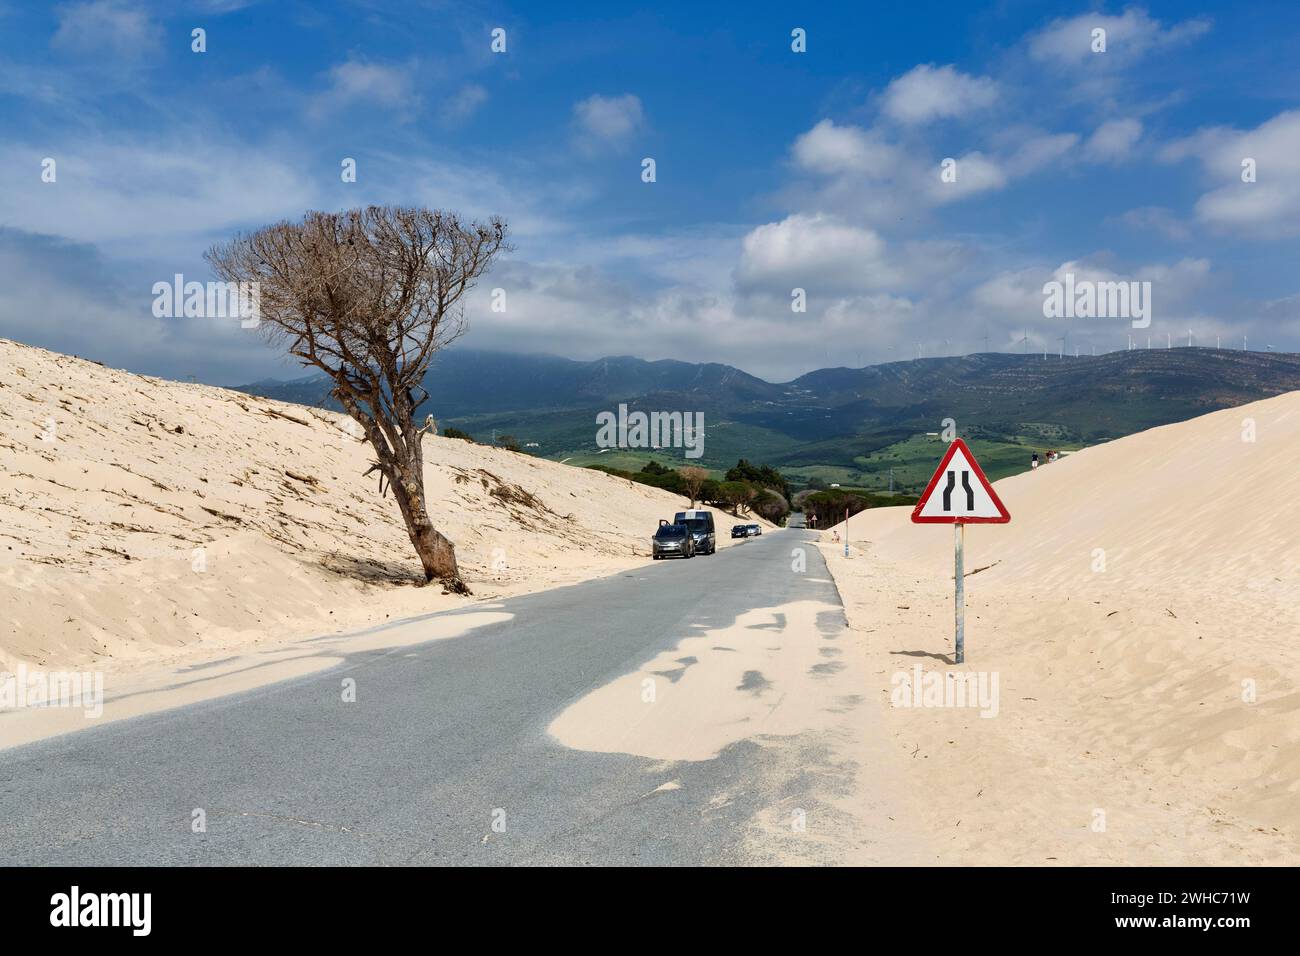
775 169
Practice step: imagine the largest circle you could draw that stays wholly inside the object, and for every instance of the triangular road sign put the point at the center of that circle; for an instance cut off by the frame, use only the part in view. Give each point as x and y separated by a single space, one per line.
959 493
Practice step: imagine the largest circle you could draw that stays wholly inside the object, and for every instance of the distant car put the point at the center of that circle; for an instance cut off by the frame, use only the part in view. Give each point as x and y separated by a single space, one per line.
740 531
672 541
754 530
701 525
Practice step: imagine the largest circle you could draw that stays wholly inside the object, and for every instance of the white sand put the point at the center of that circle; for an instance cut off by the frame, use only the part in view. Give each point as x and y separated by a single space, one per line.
146 525
1121 683
770 677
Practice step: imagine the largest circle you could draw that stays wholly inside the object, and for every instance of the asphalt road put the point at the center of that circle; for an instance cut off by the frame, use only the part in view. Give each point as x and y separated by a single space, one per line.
441 734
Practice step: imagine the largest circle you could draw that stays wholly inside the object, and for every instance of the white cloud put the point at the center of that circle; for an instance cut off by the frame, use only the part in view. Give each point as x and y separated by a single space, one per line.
608 120
813 251
1016 297
975 173
863 175
118 189
116 27
829 149
356 81
926 93
1268 207
1068 42
1113 140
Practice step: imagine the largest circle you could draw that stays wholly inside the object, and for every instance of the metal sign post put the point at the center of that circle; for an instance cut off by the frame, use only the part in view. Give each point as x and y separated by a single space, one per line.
959 610
846 532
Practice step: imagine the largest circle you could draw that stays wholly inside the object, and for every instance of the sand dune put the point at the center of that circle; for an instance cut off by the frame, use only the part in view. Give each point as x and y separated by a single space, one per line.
1144 590
144 521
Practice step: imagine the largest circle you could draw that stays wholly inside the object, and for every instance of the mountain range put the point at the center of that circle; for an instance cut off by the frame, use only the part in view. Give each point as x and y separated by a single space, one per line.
863 427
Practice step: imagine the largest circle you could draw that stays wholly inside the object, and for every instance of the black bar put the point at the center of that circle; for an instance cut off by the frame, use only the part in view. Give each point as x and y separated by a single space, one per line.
935 907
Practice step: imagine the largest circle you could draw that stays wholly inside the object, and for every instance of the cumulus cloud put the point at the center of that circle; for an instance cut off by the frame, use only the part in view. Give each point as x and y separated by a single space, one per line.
927 92
1068 42
975 173
858 173
1015 297
608 121
813 251
1268 207
829 149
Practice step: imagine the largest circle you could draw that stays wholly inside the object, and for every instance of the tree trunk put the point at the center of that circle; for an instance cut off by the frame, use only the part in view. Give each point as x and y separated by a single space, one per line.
437 554
397 446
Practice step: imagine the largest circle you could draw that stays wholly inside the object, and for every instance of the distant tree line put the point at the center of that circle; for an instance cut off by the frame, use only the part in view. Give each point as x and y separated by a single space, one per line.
829 507
759 490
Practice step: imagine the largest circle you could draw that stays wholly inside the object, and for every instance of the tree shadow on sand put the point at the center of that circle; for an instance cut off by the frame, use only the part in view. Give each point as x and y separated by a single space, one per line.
372 571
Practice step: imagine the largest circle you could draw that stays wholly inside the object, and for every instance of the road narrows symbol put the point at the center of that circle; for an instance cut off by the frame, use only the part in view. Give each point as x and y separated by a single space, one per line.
965 484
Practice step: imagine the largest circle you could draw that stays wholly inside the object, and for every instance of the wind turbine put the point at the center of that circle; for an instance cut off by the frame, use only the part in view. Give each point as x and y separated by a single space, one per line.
1169 341
1189 338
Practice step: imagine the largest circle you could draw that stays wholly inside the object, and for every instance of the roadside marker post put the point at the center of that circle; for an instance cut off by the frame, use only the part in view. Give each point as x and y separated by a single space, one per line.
959 503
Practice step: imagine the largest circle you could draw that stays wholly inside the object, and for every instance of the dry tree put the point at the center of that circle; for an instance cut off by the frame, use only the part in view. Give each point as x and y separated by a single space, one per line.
368 296
693 478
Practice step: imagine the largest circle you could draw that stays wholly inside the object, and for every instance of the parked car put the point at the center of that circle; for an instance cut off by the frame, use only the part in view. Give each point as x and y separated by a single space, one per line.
702 533
740 531
672 541
754 530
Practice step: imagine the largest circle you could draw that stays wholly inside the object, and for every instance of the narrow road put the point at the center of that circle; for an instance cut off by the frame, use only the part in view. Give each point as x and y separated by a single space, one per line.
441 736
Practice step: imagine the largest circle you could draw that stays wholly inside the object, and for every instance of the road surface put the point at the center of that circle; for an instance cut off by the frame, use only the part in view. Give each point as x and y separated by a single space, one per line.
441 735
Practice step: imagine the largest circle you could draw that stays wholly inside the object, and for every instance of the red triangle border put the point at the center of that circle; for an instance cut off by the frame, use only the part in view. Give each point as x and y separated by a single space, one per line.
1003 515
